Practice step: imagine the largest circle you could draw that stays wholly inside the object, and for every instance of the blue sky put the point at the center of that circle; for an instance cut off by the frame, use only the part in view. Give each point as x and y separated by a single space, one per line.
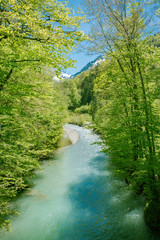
81 57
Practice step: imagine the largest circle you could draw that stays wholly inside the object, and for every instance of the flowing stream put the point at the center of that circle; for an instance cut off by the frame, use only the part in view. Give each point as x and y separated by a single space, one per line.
76 197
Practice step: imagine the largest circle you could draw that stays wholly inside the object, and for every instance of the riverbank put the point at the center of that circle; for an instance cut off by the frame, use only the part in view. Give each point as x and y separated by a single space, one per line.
69 137
71 134
78 197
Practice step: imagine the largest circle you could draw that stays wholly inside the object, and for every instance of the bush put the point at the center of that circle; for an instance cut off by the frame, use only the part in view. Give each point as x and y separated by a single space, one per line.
83 109
79 119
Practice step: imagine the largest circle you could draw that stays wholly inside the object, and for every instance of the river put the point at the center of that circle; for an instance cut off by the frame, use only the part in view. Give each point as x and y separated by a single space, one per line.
77 197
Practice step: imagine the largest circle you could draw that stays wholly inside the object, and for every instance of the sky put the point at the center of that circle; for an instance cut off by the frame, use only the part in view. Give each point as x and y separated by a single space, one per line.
81 57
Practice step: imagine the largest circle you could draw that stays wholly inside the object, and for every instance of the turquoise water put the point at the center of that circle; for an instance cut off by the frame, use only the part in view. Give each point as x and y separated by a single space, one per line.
76 197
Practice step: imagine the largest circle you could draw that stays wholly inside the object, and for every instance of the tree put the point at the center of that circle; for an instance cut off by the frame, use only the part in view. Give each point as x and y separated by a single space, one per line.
31 127
36 38
120 29
36 33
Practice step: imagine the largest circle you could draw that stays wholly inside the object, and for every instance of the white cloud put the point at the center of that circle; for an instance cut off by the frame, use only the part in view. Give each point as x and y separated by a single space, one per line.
65 75
55 78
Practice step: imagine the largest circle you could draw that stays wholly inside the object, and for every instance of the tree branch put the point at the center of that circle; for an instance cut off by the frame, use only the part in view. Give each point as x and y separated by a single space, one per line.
26 60
35 39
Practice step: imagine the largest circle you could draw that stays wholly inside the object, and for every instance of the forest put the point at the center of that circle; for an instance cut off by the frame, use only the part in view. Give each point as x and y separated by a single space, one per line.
35 41
120 96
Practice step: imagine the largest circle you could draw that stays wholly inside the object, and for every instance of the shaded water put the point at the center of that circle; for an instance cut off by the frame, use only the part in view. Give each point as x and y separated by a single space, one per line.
77 198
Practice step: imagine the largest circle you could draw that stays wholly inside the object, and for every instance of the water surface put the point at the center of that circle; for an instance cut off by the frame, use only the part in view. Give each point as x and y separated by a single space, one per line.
76 197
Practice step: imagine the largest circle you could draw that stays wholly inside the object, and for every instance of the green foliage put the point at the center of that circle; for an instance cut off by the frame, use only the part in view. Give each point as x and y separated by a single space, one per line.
37 31
127 90
121 118
87 88
71 93
83 109
31 127
35 37
154 40
151 214
79 118
79 92
74 97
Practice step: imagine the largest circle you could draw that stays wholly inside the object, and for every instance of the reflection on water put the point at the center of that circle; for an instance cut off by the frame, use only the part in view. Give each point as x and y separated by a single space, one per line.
77 198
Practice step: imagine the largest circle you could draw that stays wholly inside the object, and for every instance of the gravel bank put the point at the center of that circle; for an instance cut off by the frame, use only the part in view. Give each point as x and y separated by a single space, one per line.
71 134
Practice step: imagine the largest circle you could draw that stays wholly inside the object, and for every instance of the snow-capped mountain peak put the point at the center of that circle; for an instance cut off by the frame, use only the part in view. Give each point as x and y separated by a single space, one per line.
90 65
65 75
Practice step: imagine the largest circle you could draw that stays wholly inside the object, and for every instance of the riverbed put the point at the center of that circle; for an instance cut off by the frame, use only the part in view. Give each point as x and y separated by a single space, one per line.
77 197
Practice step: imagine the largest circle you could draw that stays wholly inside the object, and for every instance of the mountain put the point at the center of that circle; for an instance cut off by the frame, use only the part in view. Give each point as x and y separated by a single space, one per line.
89 65
65 76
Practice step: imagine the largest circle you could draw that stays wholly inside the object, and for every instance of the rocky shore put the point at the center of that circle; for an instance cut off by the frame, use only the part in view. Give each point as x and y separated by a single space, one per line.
71 134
